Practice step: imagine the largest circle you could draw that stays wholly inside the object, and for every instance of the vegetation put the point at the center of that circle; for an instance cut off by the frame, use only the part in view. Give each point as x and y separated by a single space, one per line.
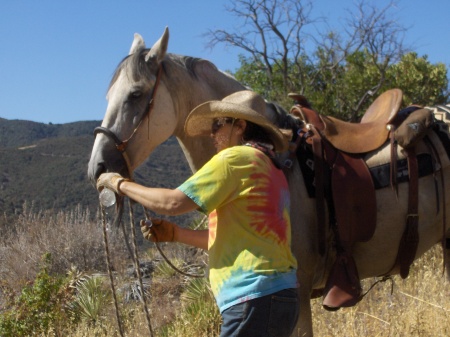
53 275
44 167
341 70
66 293
37 308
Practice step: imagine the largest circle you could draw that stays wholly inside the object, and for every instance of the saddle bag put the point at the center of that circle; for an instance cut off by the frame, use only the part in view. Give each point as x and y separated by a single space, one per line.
414 128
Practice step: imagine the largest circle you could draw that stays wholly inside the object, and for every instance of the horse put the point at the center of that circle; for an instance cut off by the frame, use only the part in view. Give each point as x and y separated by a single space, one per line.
149 97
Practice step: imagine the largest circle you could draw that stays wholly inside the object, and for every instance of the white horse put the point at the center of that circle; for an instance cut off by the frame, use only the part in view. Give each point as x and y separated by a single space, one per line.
149 98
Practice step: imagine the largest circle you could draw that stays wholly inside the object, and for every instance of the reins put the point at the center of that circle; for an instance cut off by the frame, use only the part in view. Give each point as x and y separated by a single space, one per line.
138 270
136 266
165 257
108 265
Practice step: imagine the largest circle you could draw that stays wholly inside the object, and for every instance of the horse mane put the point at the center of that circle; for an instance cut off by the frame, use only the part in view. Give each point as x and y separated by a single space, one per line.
138 68
135 63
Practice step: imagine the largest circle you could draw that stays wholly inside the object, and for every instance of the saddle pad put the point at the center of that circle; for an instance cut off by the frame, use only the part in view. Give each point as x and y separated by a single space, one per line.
381 174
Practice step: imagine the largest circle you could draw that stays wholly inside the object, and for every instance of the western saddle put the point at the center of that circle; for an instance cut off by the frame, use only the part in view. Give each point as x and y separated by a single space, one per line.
339 148
370 134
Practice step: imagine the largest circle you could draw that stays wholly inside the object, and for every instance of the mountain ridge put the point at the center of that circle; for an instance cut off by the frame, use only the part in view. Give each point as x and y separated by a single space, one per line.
45 165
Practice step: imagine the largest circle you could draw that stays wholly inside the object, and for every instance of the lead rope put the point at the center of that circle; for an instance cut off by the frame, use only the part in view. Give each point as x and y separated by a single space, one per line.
147 216
138 269
136 266
108 264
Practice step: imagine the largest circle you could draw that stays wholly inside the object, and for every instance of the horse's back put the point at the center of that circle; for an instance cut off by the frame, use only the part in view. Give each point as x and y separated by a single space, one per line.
378 255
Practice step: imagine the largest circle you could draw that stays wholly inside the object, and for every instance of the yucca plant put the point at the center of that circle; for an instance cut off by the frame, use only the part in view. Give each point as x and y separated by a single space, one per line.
165 270
90 300
200 315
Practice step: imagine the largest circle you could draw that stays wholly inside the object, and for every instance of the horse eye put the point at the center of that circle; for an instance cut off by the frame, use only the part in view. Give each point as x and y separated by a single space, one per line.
136 94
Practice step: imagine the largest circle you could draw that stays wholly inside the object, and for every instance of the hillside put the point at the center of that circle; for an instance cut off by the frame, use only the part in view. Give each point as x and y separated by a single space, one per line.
18 133
46 164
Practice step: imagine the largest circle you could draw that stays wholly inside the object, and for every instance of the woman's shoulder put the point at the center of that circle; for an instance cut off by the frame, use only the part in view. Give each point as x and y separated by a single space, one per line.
238 151
241 155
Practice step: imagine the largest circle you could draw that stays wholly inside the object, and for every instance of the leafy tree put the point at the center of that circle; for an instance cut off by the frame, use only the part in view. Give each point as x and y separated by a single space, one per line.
422 82
342 72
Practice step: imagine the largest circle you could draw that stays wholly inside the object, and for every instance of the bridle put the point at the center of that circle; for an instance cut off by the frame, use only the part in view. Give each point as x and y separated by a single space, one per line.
121 145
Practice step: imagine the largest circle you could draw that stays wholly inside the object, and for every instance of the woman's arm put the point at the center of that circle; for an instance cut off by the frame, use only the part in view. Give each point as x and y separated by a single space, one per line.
160 230
191 237
160 200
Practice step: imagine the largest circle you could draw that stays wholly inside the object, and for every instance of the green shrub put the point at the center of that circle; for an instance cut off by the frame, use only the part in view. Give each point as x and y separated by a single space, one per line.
38 308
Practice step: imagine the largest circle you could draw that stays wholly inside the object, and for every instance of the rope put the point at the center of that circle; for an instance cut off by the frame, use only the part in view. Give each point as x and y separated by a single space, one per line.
166 258
108 264
175 268
383 279
136 265
138 269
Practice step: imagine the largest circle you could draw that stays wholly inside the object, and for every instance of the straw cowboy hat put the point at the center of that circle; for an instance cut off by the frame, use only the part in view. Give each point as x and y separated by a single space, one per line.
245 105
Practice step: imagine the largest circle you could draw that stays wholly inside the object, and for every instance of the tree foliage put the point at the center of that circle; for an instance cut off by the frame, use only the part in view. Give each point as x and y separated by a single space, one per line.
339 71
422 82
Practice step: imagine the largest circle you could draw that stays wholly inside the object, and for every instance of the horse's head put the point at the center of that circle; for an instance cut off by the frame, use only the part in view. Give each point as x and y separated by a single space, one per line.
139 116
142 113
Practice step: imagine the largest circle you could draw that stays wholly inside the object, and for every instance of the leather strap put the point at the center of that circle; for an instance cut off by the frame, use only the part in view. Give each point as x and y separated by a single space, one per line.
314 126
393 176
320 192
444 242
410 239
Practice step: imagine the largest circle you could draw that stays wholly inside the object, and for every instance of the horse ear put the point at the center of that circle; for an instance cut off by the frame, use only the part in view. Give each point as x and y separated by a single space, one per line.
137 45
159 49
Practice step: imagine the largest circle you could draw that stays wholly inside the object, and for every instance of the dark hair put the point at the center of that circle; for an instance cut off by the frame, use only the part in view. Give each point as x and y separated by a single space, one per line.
253 132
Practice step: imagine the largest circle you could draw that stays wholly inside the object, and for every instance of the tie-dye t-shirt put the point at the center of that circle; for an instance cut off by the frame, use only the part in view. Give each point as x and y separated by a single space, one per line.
247 199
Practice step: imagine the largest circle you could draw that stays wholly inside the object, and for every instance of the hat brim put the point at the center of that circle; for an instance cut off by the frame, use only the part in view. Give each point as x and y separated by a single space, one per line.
199 121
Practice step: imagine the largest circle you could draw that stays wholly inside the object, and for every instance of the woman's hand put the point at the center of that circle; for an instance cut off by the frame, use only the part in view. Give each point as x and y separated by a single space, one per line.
112 181
158 230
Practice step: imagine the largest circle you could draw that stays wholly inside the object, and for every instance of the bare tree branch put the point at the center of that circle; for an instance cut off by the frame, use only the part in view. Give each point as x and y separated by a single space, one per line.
278 36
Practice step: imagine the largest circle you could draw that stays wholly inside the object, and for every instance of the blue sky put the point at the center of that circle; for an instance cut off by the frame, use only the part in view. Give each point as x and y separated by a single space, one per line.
57 57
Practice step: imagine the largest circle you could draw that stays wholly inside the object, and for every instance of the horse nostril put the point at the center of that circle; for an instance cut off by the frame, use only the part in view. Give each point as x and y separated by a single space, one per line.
101 168
95 174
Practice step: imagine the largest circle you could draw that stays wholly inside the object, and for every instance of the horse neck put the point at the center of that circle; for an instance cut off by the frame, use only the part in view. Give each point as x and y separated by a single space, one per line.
197 150
193 82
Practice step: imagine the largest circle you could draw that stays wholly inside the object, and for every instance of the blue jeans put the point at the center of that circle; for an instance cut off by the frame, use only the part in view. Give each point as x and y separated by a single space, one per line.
274 315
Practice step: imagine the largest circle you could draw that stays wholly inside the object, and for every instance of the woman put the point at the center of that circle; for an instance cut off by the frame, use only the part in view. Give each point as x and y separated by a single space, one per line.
252 269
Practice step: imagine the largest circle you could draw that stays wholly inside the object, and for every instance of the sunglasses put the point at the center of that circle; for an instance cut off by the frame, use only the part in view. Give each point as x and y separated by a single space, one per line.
219 122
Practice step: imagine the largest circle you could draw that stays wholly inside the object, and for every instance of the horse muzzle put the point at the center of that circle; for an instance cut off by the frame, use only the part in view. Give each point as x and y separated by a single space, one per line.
108 155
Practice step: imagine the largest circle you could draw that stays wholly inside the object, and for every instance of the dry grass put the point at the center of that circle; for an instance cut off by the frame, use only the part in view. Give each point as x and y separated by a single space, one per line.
72 239
418 306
